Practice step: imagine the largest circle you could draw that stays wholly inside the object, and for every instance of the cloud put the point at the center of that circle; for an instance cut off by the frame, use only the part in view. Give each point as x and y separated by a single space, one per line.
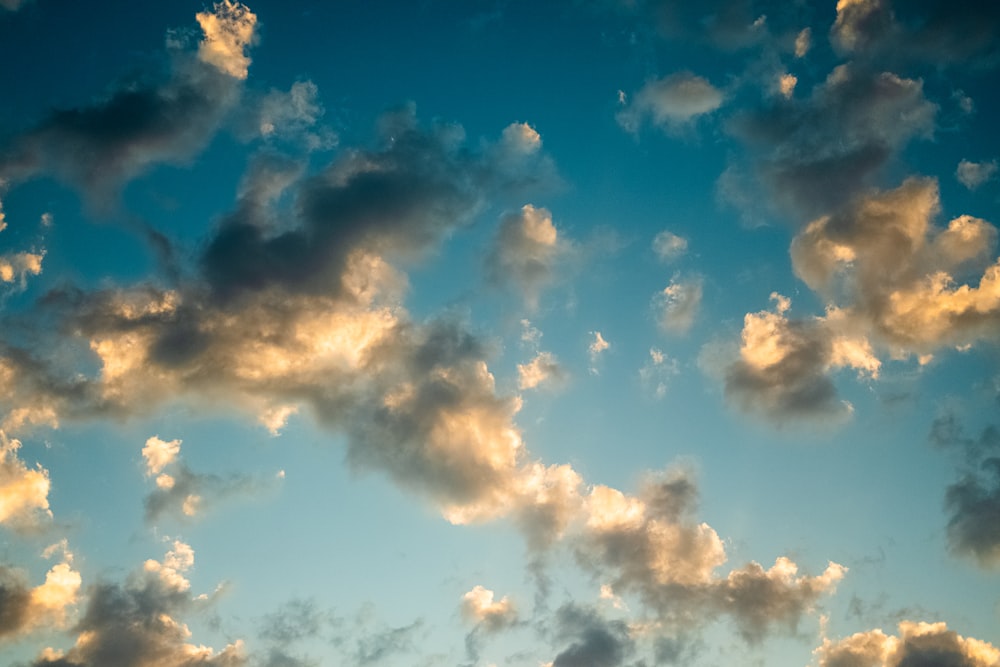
377 646
15 267
935 31
595 641
783 364
677 305
291 117
670 102
669 246
815 152
179 491
973 174
597 347
135 624
229 30
543 369
142 122
918 643
24 609
525 252
24 492
657 372
891 281
973 503
12 5
159 454
803 42
479 606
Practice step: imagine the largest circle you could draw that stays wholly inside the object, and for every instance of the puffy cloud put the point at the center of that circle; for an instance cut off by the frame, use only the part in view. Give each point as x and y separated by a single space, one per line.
135 624
670 102
229 30
24 609
898 271
159 454
677 305
891 279
815 152
543 369
525 252
973 174
669 246
479 606
141 123
783 364
24 492
786 84
917 644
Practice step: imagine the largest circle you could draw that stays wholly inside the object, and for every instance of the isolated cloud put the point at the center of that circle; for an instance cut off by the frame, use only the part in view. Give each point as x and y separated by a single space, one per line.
543 369
813 153
669 246
229 30
973 503
24 609
670 102
973 174
100 147
597 347
917 644
24 492
136 624
676 306
525 252
480 607
657 372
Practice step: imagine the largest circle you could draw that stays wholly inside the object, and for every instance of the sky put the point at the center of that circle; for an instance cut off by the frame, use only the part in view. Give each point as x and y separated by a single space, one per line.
586 333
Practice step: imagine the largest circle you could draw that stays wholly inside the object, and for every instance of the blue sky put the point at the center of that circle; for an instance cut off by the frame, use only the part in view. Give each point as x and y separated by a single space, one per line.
596 333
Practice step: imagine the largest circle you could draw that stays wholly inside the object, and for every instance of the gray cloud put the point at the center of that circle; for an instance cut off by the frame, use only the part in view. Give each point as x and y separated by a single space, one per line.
595 641
974 505
525 252
135 624
814 153
671 102
147 120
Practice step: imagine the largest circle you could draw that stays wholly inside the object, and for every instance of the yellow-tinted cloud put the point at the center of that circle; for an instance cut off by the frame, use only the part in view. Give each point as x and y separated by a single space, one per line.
917 643
24 501
229 30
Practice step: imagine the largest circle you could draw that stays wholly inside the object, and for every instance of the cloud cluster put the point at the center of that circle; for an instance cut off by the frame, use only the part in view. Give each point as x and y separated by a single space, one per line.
136 624
918 643
144 121
891 278
480 607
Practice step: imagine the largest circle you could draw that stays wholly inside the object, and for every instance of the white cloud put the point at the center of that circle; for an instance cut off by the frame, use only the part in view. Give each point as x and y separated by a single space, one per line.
543 369
159 454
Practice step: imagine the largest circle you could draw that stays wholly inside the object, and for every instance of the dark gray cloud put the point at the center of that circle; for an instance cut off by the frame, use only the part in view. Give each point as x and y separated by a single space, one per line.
135 623
973 503
159 118
15 602
594 640
815 153
188 493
